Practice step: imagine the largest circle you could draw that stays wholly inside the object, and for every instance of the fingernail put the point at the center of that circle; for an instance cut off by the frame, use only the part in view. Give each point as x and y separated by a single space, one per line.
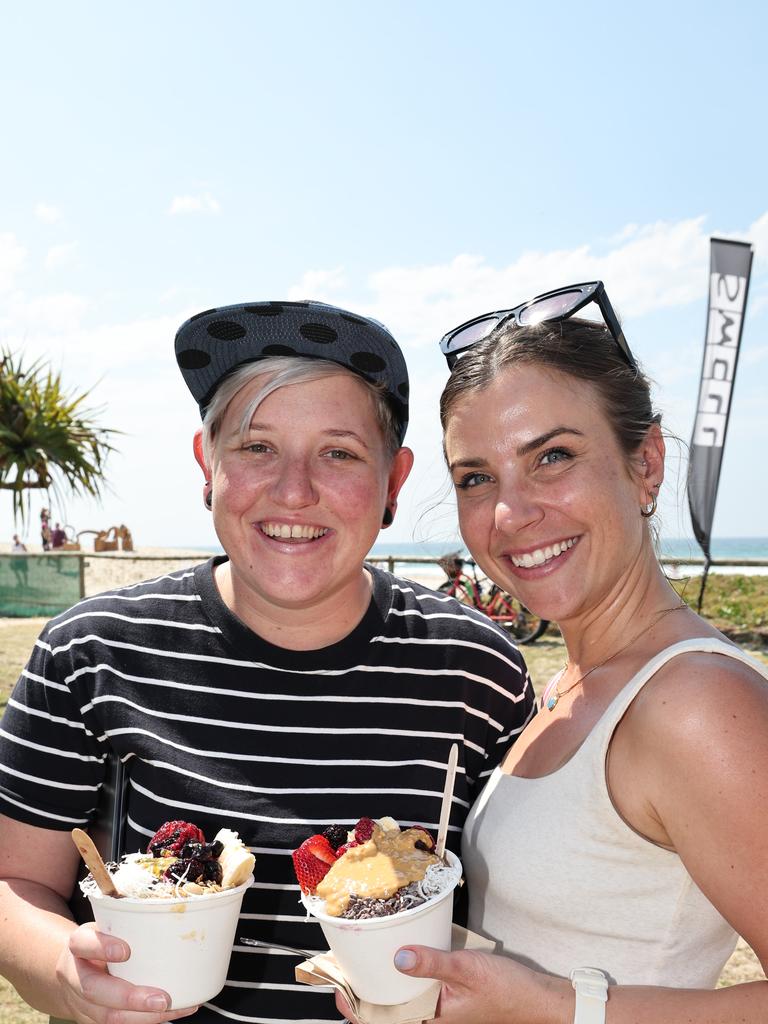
405 959
115 951
156 1003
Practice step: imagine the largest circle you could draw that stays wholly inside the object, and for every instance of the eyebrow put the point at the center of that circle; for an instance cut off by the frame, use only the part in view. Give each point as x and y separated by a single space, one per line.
537 442
332 433
524 449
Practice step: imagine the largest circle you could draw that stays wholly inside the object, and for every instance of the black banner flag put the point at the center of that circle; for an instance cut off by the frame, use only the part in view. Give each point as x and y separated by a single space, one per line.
729 269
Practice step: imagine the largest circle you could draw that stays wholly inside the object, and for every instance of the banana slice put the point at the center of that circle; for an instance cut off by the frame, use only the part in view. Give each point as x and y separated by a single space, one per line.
236 860
388 824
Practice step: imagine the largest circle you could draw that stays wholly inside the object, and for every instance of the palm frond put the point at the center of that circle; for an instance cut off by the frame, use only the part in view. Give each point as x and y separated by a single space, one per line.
47 438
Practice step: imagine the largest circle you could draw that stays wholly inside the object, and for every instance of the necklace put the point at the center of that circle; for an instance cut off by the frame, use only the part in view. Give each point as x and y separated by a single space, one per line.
551 699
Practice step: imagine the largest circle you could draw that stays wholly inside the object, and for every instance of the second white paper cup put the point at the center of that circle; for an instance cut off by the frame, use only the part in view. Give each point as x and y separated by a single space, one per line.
364 950
180 945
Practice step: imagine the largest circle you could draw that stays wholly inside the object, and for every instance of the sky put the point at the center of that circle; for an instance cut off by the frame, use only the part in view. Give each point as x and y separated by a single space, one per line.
419 162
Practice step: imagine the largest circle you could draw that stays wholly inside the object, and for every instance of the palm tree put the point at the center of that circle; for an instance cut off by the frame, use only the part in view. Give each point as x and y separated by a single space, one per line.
46 439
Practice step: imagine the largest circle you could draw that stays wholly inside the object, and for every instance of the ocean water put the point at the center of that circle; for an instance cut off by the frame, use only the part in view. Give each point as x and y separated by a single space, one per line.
682 548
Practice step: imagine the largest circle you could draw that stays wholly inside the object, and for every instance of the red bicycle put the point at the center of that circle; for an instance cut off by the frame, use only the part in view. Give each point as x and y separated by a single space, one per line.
484 595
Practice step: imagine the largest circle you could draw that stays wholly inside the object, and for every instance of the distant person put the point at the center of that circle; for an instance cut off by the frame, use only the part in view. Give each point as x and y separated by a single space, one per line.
281 686
621 845
19 566
45 529
58 537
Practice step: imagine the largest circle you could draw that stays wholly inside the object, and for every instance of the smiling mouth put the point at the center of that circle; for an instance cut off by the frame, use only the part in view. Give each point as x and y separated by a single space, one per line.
542 555
292 531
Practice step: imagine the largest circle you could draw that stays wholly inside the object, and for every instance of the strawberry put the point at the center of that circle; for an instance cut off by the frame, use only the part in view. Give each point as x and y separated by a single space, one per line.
312 862
171 837
364 830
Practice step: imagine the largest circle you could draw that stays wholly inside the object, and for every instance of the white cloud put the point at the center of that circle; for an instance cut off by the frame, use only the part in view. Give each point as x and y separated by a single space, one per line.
204 203
318 282
60 255
12 257
47 214
646 268
653 267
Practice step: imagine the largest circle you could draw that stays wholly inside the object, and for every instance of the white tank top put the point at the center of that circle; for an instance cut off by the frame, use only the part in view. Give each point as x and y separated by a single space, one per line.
561 881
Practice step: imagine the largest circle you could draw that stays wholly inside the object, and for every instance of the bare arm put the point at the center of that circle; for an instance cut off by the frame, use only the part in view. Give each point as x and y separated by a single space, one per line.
696 752
56 966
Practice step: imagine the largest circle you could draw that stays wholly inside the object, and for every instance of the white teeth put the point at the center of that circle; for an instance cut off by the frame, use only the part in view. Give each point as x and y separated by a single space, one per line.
541 555
285 531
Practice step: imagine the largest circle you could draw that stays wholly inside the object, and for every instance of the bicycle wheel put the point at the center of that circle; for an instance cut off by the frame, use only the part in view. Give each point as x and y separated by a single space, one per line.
513 616
457 589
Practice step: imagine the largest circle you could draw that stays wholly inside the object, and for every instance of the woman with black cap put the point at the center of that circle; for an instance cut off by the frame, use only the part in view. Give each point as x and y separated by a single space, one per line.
275 690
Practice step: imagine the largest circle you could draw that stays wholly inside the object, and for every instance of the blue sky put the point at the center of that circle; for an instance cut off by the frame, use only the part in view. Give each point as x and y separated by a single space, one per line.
420 162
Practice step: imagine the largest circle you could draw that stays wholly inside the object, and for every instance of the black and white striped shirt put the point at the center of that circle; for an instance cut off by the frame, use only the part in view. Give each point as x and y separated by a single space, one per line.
220 728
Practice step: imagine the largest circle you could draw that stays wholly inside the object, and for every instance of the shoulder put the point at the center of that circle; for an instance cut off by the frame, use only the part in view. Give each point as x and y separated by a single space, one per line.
174 595
702 697
445 612
466 638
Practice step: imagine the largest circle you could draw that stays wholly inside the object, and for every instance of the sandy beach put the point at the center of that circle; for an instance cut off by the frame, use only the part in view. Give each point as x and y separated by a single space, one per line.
112 569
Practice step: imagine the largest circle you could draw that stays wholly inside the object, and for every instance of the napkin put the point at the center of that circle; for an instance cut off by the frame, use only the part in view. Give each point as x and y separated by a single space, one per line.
323 970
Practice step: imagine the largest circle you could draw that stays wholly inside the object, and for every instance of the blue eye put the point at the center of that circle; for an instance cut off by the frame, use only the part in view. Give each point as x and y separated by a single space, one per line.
554 455
472 480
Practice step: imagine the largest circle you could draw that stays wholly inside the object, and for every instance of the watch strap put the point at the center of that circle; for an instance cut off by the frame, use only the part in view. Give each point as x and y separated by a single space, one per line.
591 987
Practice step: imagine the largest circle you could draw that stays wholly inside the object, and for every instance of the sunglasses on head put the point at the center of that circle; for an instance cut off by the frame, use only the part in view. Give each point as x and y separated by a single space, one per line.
551 307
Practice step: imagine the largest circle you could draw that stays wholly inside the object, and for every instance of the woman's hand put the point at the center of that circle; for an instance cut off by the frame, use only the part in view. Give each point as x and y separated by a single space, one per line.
480 988
94 996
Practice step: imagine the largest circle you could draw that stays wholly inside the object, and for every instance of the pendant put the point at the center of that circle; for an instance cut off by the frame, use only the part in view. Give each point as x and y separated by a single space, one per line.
552 701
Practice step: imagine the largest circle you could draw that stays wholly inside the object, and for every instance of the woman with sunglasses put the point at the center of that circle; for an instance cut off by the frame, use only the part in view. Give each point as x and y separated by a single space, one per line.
618 848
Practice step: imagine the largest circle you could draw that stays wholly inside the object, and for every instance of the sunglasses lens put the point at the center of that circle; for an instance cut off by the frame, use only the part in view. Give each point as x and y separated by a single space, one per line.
472 333
553 307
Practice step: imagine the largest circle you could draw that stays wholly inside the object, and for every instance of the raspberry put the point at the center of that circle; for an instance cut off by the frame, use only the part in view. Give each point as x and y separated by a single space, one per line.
312 862
336 835
364 830
171 837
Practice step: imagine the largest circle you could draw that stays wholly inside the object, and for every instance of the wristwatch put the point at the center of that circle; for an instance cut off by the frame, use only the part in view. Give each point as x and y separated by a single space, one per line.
591 995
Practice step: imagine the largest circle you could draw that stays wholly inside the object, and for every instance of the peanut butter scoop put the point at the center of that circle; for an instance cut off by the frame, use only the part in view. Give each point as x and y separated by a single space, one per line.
376 869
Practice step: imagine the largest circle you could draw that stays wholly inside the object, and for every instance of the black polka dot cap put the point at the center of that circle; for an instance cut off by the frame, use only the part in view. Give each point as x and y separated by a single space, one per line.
211 344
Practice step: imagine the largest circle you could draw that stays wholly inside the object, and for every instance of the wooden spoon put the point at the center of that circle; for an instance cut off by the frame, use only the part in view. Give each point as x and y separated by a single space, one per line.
94 863
445 810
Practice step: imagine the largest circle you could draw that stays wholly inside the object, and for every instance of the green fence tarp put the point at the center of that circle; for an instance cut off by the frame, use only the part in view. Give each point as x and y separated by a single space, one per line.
39 584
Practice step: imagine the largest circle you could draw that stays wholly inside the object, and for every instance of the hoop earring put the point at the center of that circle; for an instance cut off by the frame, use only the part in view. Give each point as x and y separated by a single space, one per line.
387 519
650 509
208 499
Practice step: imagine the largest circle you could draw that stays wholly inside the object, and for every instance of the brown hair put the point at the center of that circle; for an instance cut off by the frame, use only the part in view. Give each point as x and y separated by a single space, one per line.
577 348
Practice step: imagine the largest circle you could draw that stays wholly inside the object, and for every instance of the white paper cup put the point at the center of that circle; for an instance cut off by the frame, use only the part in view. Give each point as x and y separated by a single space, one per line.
181 945
364 950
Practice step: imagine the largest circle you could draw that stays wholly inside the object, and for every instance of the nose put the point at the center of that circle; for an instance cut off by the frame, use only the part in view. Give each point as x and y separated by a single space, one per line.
293 486
515 510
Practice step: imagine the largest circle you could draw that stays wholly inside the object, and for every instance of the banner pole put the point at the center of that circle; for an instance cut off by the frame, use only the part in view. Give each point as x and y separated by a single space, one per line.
707 564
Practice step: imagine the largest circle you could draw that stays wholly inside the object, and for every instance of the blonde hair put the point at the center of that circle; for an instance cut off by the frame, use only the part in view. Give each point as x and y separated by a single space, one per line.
279 372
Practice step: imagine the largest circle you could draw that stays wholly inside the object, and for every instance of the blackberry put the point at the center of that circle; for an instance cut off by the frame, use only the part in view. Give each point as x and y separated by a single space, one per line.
336 835
202 851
